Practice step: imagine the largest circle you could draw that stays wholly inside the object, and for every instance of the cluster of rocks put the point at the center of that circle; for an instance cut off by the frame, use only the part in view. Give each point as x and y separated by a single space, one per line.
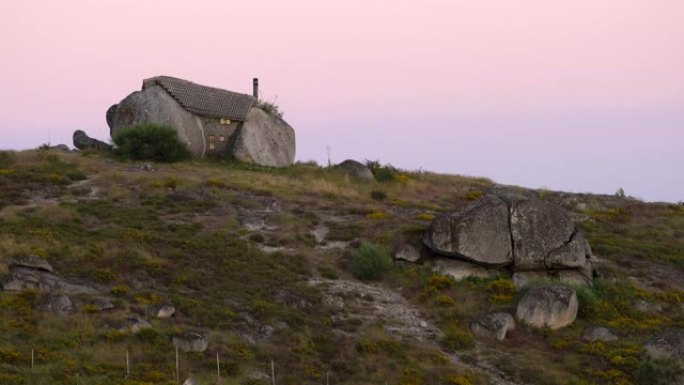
533 238
549 306
35 273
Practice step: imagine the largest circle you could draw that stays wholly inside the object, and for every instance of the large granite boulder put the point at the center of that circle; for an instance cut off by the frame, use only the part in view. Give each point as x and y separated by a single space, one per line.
478 233
154 105
265 140
83 142
494 325
538 229
552 306
531 235
356 170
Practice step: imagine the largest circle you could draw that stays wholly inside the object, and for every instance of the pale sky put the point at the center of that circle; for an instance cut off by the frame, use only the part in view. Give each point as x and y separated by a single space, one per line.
577 95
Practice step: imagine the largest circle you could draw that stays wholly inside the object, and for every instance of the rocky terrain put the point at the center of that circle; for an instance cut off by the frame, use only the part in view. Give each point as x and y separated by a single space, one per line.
118 272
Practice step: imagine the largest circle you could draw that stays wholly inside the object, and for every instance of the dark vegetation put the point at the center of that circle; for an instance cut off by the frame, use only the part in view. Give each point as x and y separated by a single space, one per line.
177 236
150 142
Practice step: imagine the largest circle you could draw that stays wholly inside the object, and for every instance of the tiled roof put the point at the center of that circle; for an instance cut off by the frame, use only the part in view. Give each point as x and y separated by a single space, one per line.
205 101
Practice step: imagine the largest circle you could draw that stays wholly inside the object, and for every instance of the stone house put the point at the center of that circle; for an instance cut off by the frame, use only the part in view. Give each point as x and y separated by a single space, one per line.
213 122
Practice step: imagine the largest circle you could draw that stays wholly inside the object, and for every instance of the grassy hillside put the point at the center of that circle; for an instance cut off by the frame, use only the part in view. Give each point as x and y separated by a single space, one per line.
259 260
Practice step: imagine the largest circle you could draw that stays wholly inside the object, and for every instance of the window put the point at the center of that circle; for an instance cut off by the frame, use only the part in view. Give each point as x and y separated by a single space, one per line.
212 139
222 138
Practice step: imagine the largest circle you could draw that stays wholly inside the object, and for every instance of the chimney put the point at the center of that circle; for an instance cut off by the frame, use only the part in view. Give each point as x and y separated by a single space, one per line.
255 88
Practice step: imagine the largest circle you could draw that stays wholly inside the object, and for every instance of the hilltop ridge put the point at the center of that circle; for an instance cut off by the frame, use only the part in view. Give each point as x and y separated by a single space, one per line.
259 262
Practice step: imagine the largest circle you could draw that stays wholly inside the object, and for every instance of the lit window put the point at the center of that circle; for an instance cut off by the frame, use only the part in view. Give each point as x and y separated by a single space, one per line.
211 146
222 138
211 139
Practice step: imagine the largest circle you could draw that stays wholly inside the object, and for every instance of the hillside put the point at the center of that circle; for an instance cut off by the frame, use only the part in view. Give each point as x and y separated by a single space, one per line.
259 262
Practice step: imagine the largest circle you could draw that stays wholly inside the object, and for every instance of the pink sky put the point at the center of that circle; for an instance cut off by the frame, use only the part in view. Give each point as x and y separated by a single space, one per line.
581 95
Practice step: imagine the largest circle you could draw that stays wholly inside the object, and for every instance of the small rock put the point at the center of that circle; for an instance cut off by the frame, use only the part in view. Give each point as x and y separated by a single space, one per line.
61 147
83 142
552 306
61 305
423 324
670 342
32 262
595 333
190 342
103 304
494 325
356 169
190 381
133 324
406 253
648 307
459 270
147 167
162 310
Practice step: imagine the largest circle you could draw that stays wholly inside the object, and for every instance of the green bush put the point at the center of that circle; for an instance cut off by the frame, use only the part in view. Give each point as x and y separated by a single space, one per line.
270 108
150 142
659 371
371 262
7 158
457 339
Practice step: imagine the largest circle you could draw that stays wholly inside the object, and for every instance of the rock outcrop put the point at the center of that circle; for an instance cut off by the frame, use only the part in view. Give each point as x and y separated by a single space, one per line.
33 273
83 142
356 170
154 105
478 233
533 237
552 306
494 325
265 140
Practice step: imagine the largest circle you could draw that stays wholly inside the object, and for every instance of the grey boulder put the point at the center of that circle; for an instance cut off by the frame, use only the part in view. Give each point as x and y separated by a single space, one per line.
538 229
162 310
32 262
494 325
83 142
478 233
264 140
133 324
32 273
356 170
154 105
190 342
551 306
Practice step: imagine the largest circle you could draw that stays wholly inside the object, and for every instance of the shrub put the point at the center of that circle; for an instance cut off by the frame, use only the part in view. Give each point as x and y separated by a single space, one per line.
150 142
120 291
371 262
457 339
659 371
7 158
378 195
270 108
